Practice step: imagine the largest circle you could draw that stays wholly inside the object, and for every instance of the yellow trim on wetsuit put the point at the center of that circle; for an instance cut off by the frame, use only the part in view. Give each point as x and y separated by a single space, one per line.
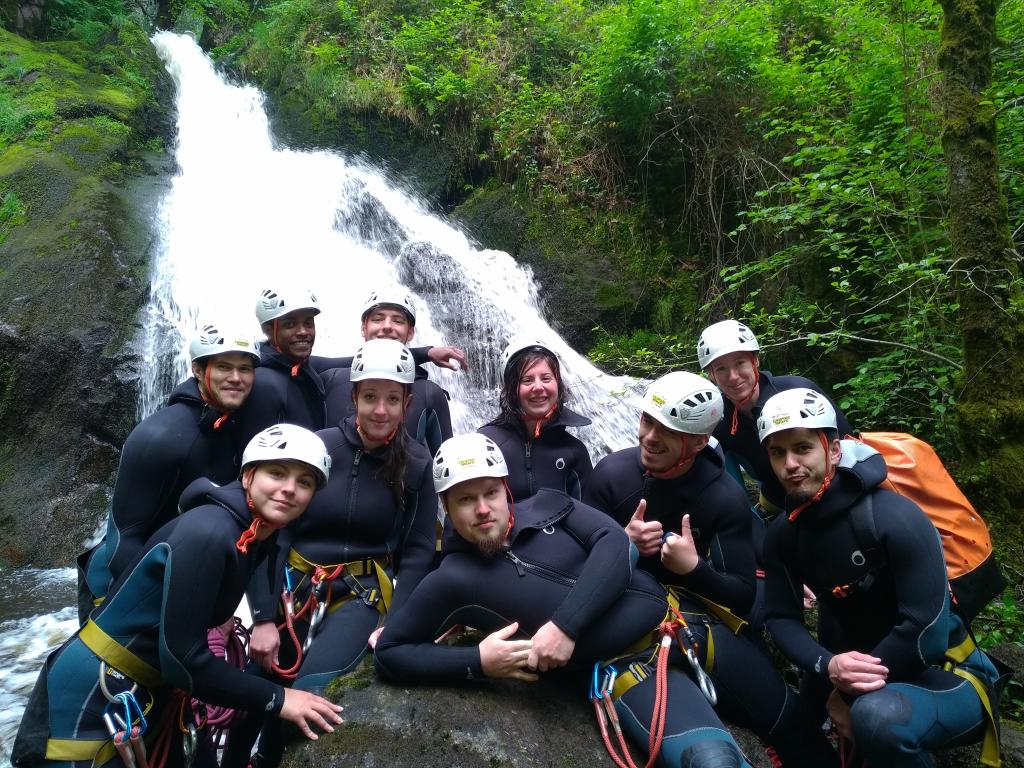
958 655
119 657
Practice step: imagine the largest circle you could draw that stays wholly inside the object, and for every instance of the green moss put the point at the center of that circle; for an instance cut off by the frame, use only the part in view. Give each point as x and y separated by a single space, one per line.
12 212
359 678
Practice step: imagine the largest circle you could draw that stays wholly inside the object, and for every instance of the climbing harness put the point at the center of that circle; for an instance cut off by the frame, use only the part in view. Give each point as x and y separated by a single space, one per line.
608 685
321 600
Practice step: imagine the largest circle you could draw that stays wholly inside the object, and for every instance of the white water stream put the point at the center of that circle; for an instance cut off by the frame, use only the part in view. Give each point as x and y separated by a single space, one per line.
244 214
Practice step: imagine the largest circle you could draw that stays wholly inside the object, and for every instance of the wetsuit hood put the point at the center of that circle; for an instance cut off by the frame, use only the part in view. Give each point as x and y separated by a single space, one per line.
861 469
271 358
543 509
230 496
563 417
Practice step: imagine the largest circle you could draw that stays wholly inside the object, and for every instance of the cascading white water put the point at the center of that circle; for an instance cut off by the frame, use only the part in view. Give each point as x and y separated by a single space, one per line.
244 214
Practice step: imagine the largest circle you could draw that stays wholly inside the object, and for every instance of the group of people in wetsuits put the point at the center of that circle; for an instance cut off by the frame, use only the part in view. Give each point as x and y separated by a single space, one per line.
332 493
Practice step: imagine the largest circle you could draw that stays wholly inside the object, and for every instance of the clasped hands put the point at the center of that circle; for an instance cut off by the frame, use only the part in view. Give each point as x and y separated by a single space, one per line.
501 656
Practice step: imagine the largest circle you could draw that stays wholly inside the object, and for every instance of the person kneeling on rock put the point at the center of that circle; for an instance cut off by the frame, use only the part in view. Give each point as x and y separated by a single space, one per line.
551 583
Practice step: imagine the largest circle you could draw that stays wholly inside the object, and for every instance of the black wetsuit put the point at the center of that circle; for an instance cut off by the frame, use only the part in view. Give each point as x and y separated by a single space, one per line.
187 578
428 420
719 513
282 393
555 459
745 444
355 518
166 451
569 564
898 613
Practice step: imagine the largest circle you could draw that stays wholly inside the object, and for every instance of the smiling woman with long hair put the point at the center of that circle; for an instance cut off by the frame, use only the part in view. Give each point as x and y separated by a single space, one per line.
373 523
531 426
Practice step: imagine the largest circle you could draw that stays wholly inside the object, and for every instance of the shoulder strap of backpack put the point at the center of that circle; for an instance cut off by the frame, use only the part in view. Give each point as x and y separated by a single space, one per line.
862 520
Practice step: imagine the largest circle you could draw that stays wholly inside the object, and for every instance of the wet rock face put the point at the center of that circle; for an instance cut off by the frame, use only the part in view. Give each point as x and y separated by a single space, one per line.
73 277
503 724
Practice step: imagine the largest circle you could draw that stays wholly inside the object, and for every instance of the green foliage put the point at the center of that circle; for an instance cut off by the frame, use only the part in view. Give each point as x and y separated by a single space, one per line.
12 212
87 20
1002 621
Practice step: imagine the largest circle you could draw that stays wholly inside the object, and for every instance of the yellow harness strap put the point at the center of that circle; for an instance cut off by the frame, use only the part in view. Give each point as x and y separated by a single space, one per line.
119 657
731 620
367 567
99 751
990 745
634 674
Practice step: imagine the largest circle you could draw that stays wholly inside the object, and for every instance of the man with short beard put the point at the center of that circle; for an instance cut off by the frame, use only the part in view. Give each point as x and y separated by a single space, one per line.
551 582
895 667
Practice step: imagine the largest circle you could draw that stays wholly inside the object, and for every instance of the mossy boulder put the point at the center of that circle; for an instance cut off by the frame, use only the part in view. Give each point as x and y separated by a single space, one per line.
506 724
82 125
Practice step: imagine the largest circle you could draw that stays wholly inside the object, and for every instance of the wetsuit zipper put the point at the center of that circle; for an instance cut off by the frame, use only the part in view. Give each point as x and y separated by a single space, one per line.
352 496
522 566
529 467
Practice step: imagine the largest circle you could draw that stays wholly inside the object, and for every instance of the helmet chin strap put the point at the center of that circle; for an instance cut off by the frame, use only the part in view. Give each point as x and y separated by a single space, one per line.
740 403
543 420
511 507
684 462
830 472
206 394
249 534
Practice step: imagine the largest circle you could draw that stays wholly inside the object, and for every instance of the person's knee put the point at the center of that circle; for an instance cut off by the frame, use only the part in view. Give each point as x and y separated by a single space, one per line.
702 747
711 753
880 722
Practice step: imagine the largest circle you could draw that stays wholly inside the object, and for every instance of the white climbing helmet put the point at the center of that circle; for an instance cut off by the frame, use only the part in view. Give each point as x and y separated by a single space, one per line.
211 341
390 298
467 457
383 359
684 402
273 304
721 339
519 345
795 408
289 442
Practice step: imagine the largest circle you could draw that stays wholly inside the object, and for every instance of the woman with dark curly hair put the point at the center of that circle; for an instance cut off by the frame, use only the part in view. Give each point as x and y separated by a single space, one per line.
531 427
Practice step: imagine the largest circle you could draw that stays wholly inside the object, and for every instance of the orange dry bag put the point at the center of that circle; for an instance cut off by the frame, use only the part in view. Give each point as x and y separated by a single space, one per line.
916 472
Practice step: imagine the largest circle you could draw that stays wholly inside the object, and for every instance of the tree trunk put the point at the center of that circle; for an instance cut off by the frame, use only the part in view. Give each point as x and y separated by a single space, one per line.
991 406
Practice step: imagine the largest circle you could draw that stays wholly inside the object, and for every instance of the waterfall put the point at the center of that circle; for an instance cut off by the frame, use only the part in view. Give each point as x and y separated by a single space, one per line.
245 213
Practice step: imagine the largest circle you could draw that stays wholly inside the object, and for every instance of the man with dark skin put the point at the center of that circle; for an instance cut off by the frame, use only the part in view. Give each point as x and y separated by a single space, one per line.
290 385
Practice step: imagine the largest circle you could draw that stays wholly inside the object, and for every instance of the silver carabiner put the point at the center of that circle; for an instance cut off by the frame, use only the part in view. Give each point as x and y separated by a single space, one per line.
704 682
188 745
314 624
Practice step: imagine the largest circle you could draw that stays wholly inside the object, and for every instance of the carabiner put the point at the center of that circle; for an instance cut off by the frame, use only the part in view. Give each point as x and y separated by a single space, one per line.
314 624
704 682
188 745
